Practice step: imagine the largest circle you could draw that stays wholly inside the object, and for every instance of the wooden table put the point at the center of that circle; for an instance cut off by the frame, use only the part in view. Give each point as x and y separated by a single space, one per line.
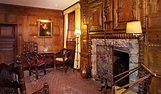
49 56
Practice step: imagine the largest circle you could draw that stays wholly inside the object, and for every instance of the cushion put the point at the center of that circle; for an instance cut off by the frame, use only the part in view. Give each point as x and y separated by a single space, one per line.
121 90
40 61
61 59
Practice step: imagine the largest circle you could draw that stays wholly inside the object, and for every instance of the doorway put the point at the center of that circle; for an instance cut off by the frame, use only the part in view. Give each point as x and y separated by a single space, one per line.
8 43
71 43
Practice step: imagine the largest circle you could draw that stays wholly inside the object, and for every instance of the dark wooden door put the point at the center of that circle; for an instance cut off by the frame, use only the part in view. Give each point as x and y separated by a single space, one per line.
8 42
71 26
71 43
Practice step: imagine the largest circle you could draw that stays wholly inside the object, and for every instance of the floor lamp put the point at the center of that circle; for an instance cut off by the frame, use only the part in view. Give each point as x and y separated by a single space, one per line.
77 33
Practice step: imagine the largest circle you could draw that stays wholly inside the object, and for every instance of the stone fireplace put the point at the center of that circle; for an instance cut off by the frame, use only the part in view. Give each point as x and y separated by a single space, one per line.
130 46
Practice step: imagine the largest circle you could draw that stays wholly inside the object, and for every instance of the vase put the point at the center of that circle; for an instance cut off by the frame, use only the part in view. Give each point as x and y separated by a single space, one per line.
84 72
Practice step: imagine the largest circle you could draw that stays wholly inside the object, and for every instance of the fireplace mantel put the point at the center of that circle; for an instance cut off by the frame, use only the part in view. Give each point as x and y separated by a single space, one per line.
129 43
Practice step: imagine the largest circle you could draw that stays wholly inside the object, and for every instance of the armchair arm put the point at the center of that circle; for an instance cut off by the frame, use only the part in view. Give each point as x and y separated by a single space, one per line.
125 74
38 56
148 70
62 53
59 54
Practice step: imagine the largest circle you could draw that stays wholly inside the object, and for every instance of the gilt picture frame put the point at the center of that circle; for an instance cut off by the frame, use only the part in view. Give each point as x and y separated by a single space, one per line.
45 28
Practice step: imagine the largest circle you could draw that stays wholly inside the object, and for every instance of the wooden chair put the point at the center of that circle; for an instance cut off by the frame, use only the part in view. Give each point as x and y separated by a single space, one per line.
43 90
143 83
35 61
12 78
28 46
62 58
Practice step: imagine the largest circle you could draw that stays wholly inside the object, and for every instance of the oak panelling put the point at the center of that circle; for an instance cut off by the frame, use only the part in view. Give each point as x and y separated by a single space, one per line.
2 17
84 46
84 60
115 15
11 18
27 18
154 36
124 11
154 21
8 18
7 31
90 1
95 16
23 10
108 14
155 86
33 30
153 6
56 28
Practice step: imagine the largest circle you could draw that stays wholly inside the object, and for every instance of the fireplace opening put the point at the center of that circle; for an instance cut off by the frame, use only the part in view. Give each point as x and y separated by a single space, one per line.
121 64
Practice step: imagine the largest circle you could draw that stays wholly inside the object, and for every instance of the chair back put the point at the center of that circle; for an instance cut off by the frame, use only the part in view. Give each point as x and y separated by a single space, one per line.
64 53
67 53
143 82
31 58
30 46
12 78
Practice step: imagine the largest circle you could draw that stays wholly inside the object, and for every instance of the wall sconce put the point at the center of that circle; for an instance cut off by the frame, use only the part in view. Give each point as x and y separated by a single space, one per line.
134 27
77 33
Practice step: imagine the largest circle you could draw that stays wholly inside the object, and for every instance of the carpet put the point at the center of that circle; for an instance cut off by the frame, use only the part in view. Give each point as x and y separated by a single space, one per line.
62 83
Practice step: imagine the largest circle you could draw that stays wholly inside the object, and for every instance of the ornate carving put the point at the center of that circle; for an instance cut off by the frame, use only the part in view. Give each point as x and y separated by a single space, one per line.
95 17
84 14
153 6
108 15
124 11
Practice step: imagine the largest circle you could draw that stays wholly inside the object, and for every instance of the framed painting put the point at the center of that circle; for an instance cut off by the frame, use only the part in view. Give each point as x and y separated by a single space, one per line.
45 28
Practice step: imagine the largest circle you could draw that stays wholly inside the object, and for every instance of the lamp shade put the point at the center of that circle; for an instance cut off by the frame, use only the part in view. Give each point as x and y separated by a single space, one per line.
77 32
133 27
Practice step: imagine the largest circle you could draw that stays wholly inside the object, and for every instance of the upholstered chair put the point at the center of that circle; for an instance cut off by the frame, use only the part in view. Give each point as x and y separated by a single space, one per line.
61 58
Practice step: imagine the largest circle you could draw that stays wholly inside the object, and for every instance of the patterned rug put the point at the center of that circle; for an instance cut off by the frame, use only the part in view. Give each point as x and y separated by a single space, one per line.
62 83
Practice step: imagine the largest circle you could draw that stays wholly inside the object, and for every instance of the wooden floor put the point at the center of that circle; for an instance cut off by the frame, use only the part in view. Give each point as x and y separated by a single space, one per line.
63 83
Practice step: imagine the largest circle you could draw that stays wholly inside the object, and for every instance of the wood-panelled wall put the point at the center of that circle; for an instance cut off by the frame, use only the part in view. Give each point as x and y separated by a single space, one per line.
100 17
26 18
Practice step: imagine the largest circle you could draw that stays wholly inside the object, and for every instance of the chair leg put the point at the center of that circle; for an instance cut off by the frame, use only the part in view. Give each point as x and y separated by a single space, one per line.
66 64
55 65
44 69
63 66
37 73
29 71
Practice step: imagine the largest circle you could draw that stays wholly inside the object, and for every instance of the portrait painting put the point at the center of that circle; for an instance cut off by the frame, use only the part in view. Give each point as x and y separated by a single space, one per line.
44 28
